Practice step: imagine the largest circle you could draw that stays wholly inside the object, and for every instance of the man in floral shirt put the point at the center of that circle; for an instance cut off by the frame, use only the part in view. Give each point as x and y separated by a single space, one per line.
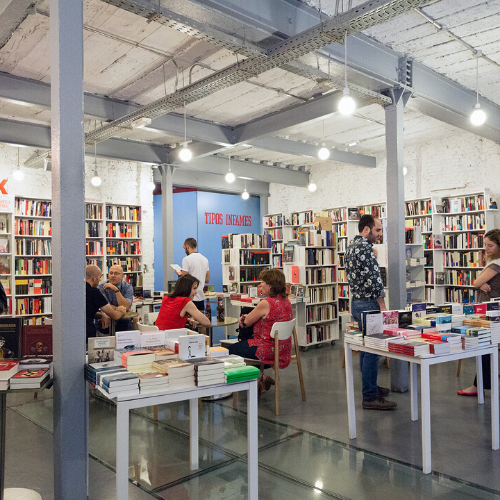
367 294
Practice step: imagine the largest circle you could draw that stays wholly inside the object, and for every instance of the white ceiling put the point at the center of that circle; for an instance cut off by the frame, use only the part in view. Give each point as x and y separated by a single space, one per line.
129 59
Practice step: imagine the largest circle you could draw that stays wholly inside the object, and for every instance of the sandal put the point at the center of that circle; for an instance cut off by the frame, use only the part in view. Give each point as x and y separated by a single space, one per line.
267 382
464 393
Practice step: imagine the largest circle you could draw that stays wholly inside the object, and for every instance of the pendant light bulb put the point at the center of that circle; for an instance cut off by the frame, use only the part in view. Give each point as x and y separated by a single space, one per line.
324 153
347 105
312 187
96 180
151 186
245 195
18 174
478 116
230 177
185 153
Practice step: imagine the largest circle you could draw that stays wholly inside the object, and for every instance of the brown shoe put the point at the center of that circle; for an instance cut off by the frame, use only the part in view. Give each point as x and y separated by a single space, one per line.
379 404
267 382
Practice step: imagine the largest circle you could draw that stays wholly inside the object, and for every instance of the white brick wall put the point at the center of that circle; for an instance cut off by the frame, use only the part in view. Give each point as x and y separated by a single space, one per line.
122 182
460 164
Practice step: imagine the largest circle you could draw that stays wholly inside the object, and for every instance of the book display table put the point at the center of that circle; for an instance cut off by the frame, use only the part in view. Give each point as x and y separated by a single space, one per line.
126 403
424 363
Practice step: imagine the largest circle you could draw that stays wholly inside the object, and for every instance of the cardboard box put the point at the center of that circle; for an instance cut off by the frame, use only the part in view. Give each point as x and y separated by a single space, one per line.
324 223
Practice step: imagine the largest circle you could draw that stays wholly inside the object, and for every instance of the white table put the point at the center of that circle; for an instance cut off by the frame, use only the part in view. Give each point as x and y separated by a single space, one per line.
125 404
425 390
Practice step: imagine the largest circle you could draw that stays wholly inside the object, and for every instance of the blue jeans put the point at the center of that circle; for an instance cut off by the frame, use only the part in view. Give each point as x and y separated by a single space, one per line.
368 362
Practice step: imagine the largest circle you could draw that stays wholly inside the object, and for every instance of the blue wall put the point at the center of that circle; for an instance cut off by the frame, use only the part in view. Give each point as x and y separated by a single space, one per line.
190 220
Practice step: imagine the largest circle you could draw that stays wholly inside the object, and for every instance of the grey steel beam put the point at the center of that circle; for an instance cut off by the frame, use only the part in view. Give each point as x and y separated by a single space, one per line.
12 14
30 91
68 250
254 171
207 181
304 149
371 64
167 226
395 203
199 150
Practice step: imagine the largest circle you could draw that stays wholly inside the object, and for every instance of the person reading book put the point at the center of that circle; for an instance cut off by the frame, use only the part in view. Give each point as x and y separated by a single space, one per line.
275 307
178 308
488 282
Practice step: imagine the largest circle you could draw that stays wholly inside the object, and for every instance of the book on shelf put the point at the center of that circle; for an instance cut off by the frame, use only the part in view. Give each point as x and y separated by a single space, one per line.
31 378
4 223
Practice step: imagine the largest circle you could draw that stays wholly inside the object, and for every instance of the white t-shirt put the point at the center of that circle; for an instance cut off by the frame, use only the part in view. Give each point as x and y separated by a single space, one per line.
197 265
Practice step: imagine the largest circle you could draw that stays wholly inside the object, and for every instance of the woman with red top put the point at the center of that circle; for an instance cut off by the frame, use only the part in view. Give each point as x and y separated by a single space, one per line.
274 308
176 308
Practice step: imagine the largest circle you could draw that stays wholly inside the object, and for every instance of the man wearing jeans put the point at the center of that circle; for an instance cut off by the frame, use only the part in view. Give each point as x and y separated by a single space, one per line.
367 294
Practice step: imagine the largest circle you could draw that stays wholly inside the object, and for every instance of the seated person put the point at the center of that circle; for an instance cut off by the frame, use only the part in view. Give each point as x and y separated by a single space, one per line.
274 308
97 302
118 293
176 309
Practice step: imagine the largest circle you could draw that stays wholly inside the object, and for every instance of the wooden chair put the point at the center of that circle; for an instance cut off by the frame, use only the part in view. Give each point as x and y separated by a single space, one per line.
281 331
152 317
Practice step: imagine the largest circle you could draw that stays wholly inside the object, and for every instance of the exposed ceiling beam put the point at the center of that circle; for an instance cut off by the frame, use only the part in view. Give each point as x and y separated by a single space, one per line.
38 137
211 138
303 149
210 182
254 171
12 14
369 61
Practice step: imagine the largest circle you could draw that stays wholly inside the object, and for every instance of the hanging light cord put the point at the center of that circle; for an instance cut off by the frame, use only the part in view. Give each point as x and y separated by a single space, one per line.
185 125
477 77
95 158
18 167
345 57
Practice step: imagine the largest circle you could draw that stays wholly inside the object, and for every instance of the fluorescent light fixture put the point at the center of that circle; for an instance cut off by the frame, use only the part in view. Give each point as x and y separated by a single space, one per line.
324 153
351 144
141 122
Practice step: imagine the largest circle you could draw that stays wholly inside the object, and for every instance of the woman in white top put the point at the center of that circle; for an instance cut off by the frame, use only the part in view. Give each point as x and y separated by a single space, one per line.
488 283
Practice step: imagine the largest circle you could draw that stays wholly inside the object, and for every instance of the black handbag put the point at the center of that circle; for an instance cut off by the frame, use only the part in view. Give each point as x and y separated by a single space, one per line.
245 332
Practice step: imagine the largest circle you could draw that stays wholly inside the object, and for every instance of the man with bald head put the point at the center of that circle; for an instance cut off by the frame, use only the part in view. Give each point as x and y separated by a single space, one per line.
96 301
118 293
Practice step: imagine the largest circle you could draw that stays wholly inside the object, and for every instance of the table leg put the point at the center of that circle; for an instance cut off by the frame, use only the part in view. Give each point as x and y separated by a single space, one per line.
351 411
3 416
122 451
414 391
480 385
253 442
426 418
193 434
495 444
112 327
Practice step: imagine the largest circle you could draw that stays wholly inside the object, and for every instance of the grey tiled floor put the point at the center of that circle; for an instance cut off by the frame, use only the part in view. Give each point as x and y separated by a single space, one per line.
304 453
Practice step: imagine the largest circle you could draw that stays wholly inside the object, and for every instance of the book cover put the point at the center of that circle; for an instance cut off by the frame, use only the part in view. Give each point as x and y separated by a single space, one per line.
130 339
372 322
352 213
492 306
295 274
480 308
152 339
10 337
4 245
31 374
404 318
390 318
438 241
7 369
101 349
288 253
137 358
36 341
447 309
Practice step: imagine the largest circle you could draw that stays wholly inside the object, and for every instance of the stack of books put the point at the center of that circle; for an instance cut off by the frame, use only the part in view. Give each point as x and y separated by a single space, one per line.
153 382
452 339
355 338
29 379
180 374
378 341
209 372
117 382
7 370
218 352
137 361
437 347
409 348
494 327
241 373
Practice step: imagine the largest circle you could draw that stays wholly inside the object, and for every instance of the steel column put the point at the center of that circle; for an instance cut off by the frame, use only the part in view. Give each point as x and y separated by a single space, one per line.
167 229
68 249
395 204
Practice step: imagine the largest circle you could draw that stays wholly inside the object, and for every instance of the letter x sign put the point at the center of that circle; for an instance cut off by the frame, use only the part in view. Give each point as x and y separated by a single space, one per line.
2 188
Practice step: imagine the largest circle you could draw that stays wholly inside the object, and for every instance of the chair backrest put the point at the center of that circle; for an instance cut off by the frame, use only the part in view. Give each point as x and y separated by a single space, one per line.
284 328
152 317
147 328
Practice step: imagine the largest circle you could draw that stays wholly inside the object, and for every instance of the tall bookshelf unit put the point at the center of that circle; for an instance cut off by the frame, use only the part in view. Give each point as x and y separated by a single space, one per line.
292 224
7 253
459 225
241 267
32 270
94 234
273 229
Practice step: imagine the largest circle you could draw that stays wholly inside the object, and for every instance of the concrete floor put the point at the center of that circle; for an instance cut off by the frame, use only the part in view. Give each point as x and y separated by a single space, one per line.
304 453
